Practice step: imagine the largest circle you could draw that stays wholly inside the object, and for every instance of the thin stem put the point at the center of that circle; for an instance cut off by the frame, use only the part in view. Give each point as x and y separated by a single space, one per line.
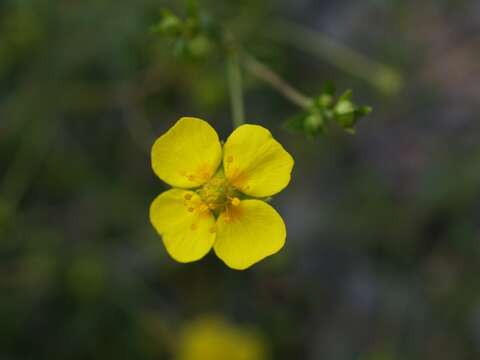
381 76
263 72
234 75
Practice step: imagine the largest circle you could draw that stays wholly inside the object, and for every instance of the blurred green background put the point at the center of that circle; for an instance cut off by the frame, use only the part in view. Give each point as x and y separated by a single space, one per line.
382 255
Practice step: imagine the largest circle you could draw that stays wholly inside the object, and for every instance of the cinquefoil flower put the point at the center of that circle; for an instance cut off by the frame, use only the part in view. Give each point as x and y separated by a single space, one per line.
216 200
211 337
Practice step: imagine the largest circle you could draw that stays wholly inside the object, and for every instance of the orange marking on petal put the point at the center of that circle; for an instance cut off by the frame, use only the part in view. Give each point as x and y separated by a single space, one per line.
238 179
204 172
232 213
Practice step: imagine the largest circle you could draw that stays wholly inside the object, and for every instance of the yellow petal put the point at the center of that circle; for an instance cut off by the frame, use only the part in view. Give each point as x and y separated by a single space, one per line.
247 233
255 163
188 154
187 227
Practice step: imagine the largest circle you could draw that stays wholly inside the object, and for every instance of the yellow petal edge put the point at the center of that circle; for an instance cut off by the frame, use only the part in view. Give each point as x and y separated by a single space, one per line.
255 163
188 154
248 233
187 233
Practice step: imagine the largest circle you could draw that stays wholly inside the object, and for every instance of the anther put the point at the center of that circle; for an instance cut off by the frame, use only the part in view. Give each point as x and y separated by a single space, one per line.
190 209
187 196
213 230
191 177
229 159
235 201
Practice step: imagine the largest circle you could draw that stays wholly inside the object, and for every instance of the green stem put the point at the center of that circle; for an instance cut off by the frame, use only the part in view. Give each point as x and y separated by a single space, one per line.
263 72
234 76
381 76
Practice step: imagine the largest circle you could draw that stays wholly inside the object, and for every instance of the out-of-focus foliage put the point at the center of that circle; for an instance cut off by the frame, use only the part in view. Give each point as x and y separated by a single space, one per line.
382 252
194 37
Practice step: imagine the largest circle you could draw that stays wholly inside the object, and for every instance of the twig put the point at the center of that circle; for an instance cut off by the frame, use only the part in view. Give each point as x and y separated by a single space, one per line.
263 72
234 76
381 76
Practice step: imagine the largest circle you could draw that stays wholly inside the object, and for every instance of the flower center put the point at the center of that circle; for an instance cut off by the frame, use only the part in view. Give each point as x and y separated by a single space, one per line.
218 193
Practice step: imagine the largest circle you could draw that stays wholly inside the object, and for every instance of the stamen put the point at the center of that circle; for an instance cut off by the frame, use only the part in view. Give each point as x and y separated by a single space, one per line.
217 194
229 159
187 196
226 215
191 178
213 230
190 209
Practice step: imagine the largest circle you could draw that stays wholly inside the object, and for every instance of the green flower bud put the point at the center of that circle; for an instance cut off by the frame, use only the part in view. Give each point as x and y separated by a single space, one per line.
314 123
325 100
199 46
169 25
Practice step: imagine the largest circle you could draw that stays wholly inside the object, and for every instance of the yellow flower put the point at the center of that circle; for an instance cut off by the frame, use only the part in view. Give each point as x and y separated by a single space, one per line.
216 196
212 338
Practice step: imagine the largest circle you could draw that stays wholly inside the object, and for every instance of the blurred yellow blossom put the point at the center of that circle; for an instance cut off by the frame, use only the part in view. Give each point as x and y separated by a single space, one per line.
213 338
216 200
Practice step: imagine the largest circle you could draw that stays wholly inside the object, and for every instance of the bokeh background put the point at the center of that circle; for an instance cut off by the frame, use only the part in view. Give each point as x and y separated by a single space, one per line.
382 256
